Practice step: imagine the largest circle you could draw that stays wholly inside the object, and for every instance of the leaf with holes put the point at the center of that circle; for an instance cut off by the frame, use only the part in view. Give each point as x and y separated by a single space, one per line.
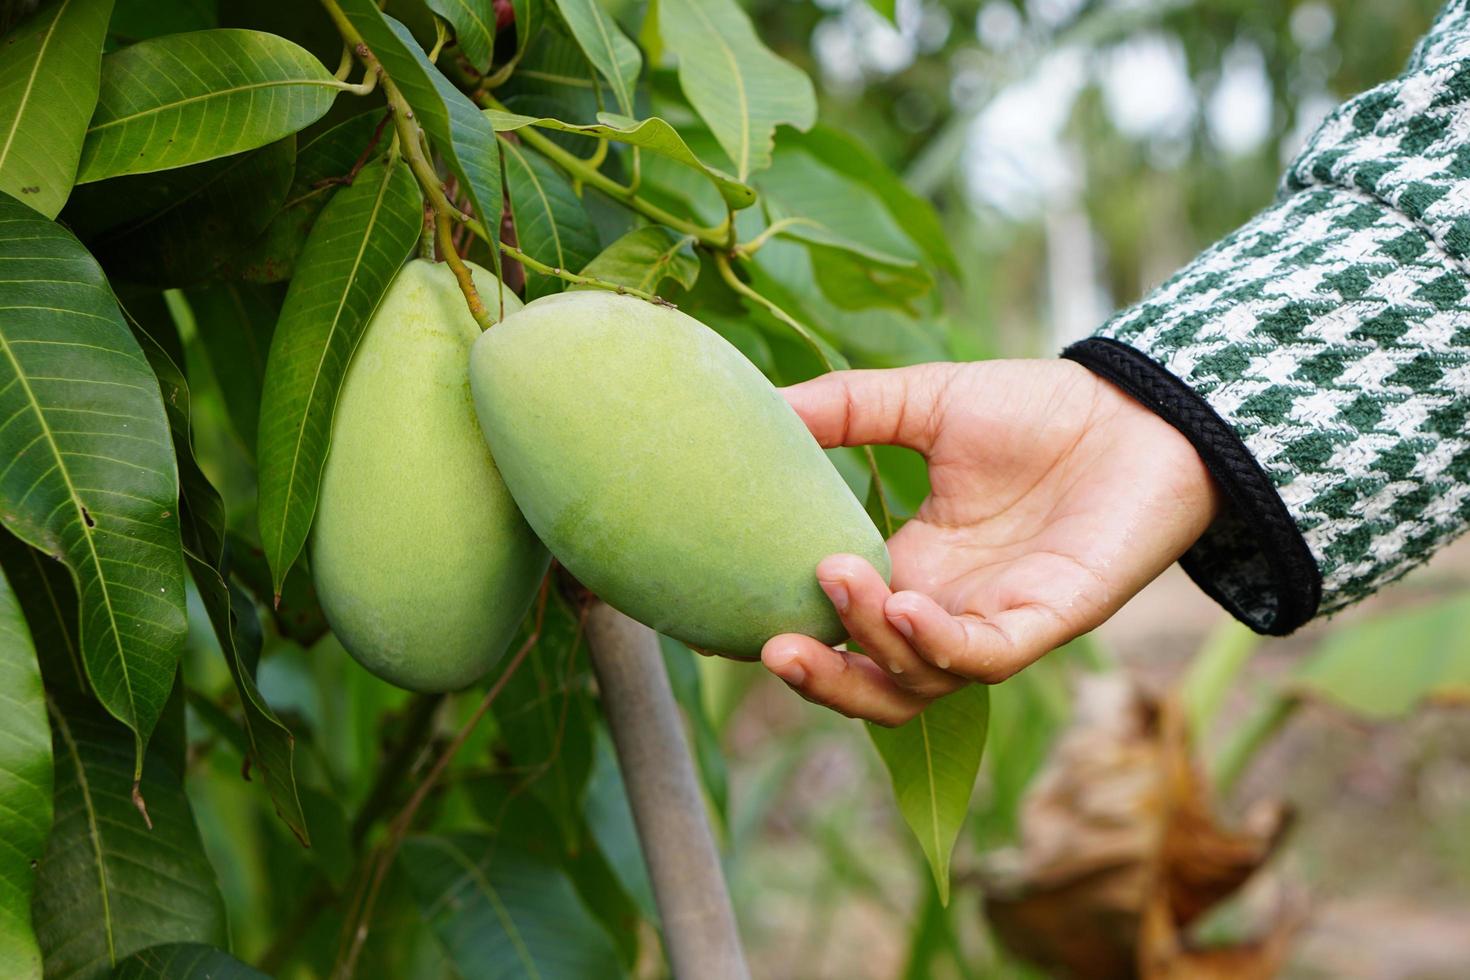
48 599
739 87
88 473
49 67
474 28
552 226
453 123
645 257
184 961
25 786
501 913
654 135
933 761
615 57
188 98
354 250
109 886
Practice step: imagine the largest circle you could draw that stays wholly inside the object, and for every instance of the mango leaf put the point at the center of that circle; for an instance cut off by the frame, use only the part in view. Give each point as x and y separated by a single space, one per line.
519 820
48 599
297 613
188 98
184 961
793 320
107 885
551 224
453 123
474 28
25 786
354 250
615 57
609 820
49 67
214 211
89 474
528 23
1432 665
861 256
503 914
544 717
933 761
888 8
654 135
552 78
841 153
645 257
201 512
853 275
741 89
882 335
137 20
271 747
322 166
234 321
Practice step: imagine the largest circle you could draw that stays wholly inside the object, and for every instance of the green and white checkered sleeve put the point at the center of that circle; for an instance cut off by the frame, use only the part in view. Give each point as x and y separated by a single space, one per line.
1319 358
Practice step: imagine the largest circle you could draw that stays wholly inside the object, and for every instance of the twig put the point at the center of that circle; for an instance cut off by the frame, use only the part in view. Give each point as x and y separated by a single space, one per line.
398 829
584 171
574 278
357 165
409 138
417 727
746 249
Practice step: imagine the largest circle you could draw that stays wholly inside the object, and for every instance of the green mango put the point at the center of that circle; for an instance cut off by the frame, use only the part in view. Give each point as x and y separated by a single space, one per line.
422 562
664 471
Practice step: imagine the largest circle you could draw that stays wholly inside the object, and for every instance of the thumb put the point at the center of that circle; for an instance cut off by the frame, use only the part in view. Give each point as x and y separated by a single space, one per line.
860 408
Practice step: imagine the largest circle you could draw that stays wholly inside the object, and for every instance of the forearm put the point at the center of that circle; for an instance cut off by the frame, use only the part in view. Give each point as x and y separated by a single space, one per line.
1317 359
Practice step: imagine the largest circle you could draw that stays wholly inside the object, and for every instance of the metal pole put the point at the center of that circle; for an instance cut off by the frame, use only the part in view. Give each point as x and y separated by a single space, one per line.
668 808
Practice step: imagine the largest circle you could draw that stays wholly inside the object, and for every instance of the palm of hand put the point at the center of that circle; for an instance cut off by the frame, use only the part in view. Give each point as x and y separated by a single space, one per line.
1055 498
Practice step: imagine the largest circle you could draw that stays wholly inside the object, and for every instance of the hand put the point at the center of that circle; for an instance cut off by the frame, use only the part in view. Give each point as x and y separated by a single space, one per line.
1055 498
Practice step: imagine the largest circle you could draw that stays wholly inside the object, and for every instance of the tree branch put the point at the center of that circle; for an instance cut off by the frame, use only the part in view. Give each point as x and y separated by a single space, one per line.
699 928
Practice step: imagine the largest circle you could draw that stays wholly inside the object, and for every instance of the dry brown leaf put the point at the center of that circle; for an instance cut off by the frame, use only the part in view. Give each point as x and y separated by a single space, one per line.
1121 851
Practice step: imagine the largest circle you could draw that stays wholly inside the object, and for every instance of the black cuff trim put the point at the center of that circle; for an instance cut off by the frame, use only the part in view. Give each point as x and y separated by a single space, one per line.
1248 491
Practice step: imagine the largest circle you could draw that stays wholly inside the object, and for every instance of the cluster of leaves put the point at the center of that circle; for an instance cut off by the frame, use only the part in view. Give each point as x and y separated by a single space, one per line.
197 222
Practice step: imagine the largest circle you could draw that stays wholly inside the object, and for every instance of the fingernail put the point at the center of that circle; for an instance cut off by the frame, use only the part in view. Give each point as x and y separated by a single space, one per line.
783 664
837 592
903 625
942 663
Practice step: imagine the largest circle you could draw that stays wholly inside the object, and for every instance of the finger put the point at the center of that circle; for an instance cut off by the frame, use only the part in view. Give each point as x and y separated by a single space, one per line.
859 408
858 593
847 683
988 649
